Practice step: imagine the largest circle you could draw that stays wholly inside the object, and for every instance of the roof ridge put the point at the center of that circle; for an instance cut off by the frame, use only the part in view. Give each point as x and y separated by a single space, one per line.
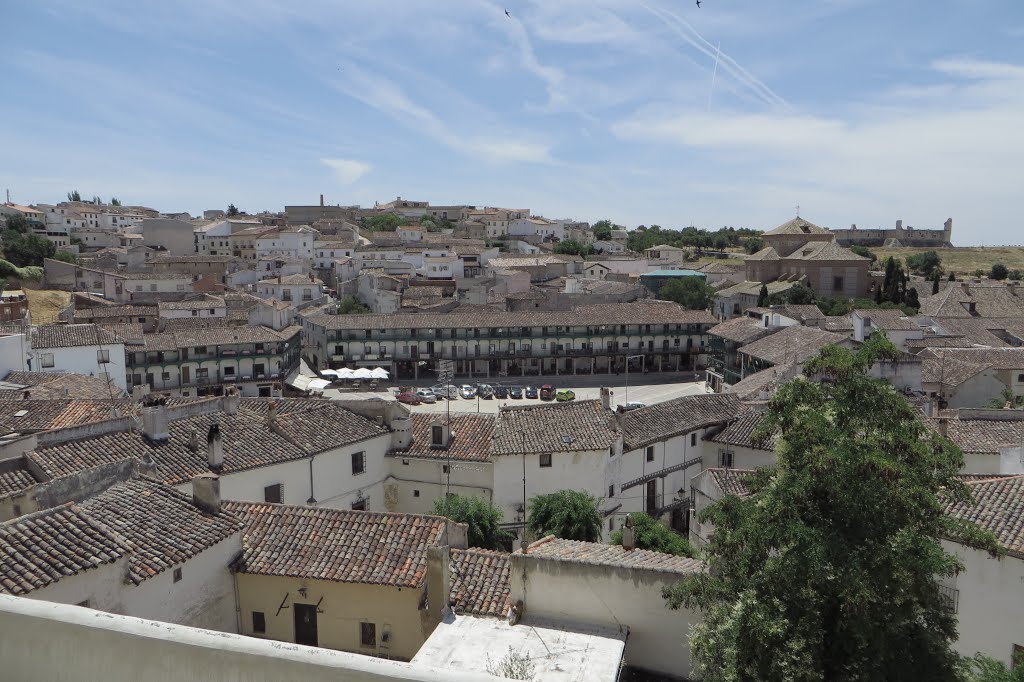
356 512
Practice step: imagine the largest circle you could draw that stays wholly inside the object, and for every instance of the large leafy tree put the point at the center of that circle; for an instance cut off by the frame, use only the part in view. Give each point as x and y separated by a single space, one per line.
602 229
482 517
26 249
572 247
384 222
999 272
828 570
17 222
648 533
350 305
569 514
926 263
690 292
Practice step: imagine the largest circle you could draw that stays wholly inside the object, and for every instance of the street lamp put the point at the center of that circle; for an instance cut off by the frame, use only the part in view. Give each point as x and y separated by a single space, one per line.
628 358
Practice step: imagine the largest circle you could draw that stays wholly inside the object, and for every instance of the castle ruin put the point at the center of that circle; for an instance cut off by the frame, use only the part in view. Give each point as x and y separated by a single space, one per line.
901 236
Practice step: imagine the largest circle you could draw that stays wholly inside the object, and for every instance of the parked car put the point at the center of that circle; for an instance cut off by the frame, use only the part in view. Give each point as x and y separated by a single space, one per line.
515 392
467 392
500 392
633 405
565 396
450 392
485 391
531 392
426 395
547 392
409 398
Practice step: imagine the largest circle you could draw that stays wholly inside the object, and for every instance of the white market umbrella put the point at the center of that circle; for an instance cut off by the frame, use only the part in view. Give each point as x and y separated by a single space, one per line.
362 373
317 385
329 373
345 373
379 373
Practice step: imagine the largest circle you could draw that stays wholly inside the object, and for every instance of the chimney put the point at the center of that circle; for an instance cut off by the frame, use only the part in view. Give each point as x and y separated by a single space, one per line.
439 582
321 200
401 433
154 420
215 448
206 493
232 400
272 414
606 398
966 286
628 538
193 441
943 426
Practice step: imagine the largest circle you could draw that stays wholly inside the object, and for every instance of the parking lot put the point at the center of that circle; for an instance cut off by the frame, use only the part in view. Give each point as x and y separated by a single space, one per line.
645 393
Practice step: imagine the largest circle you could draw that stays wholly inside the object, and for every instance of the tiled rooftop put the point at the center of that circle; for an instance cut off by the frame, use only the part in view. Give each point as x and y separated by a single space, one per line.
664 420
335 544
751 386
557 427
27 416
740 433
731 481
791 344
60 385
249 443
998 507
949 371
71 335
599 554
161 523
889 320
982 436
15 481
106 311
997 358
993 301
797 226
741 330
38 550
470 439
480 582
202 302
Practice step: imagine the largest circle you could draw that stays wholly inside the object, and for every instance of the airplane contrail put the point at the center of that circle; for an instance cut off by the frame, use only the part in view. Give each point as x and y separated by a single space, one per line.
714 73
687 32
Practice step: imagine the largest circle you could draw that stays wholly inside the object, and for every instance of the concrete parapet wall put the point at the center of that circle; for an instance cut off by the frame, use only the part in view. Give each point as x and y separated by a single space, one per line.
44 641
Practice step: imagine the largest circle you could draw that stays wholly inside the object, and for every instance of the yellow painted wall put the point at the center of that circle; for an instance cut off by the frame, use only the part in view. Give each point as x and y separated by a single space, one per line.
344 606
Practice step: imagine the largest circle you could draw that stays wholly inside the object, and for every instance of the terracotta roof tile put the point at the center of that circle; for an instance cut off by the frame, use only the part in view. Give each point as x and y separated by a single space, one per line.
741 330
731 481
480 582
376 548
982 436
797 226
664 420
791 344
15 481
470 439
998 507
71 335
598 554
161 524
566 427
38 550
740 433
62 385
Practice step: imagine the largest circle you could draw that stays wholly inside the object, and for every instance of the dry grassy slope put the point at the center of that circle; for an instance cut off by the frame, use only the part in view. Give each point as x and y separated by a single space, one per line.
44 304
966 259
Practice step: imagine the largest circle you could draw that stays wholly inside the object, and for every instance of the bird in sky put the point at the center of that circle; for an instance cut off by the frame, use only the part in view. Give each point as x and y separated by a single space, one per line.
698 4
507 14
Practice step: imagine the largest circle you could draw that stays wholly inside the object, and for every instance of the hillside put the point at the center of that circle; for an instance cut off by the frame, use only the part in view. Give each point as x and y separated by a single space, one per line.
965 259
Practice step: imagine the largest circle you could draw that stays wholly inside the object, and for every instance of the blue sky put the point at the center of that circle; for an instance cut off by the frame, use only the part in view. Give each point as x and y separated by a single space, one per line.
860 111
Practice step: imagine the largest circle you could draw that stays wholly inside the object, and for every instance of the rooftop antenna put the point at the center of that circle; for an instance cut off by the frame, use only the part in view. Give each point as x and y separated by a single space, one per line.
798 210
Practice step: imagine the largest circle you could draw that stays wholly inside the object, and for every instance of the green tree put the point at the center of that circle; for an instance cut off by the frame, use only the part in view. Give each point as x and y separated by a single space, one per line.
952 277
572 247
1007 400
864 251
926 263
73 195
999 272
753 244
568 514
383 222
350 305
828 570
96 200
66 256
114 201
982 668
602 229
798 294
1016 274
979 273
232 210
26 249
690 292
657 537
762 296
912 299
17 222
482 517
936 278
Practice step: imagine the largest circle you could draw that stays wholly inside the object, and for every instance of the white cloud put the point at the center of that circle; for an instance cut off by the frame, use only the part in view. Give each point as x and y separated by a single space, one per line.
347 171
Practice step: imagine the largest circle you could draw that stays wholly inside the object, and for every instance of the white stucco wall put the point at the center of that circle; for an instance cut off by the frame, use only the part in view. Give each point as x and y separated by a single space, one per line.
84 360
616 597
568 471
203 598
103 588
977 391
427 476
990 603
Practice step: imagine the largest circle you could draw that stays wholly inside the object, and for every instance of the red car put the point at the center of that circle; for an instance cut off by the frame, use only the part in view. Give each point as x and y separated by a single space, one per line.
547 392
409 398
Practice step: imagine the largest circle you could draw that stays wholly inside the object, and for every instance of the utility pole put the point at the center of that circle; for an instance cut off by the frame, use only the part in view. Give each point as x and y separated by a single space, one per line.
628 358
